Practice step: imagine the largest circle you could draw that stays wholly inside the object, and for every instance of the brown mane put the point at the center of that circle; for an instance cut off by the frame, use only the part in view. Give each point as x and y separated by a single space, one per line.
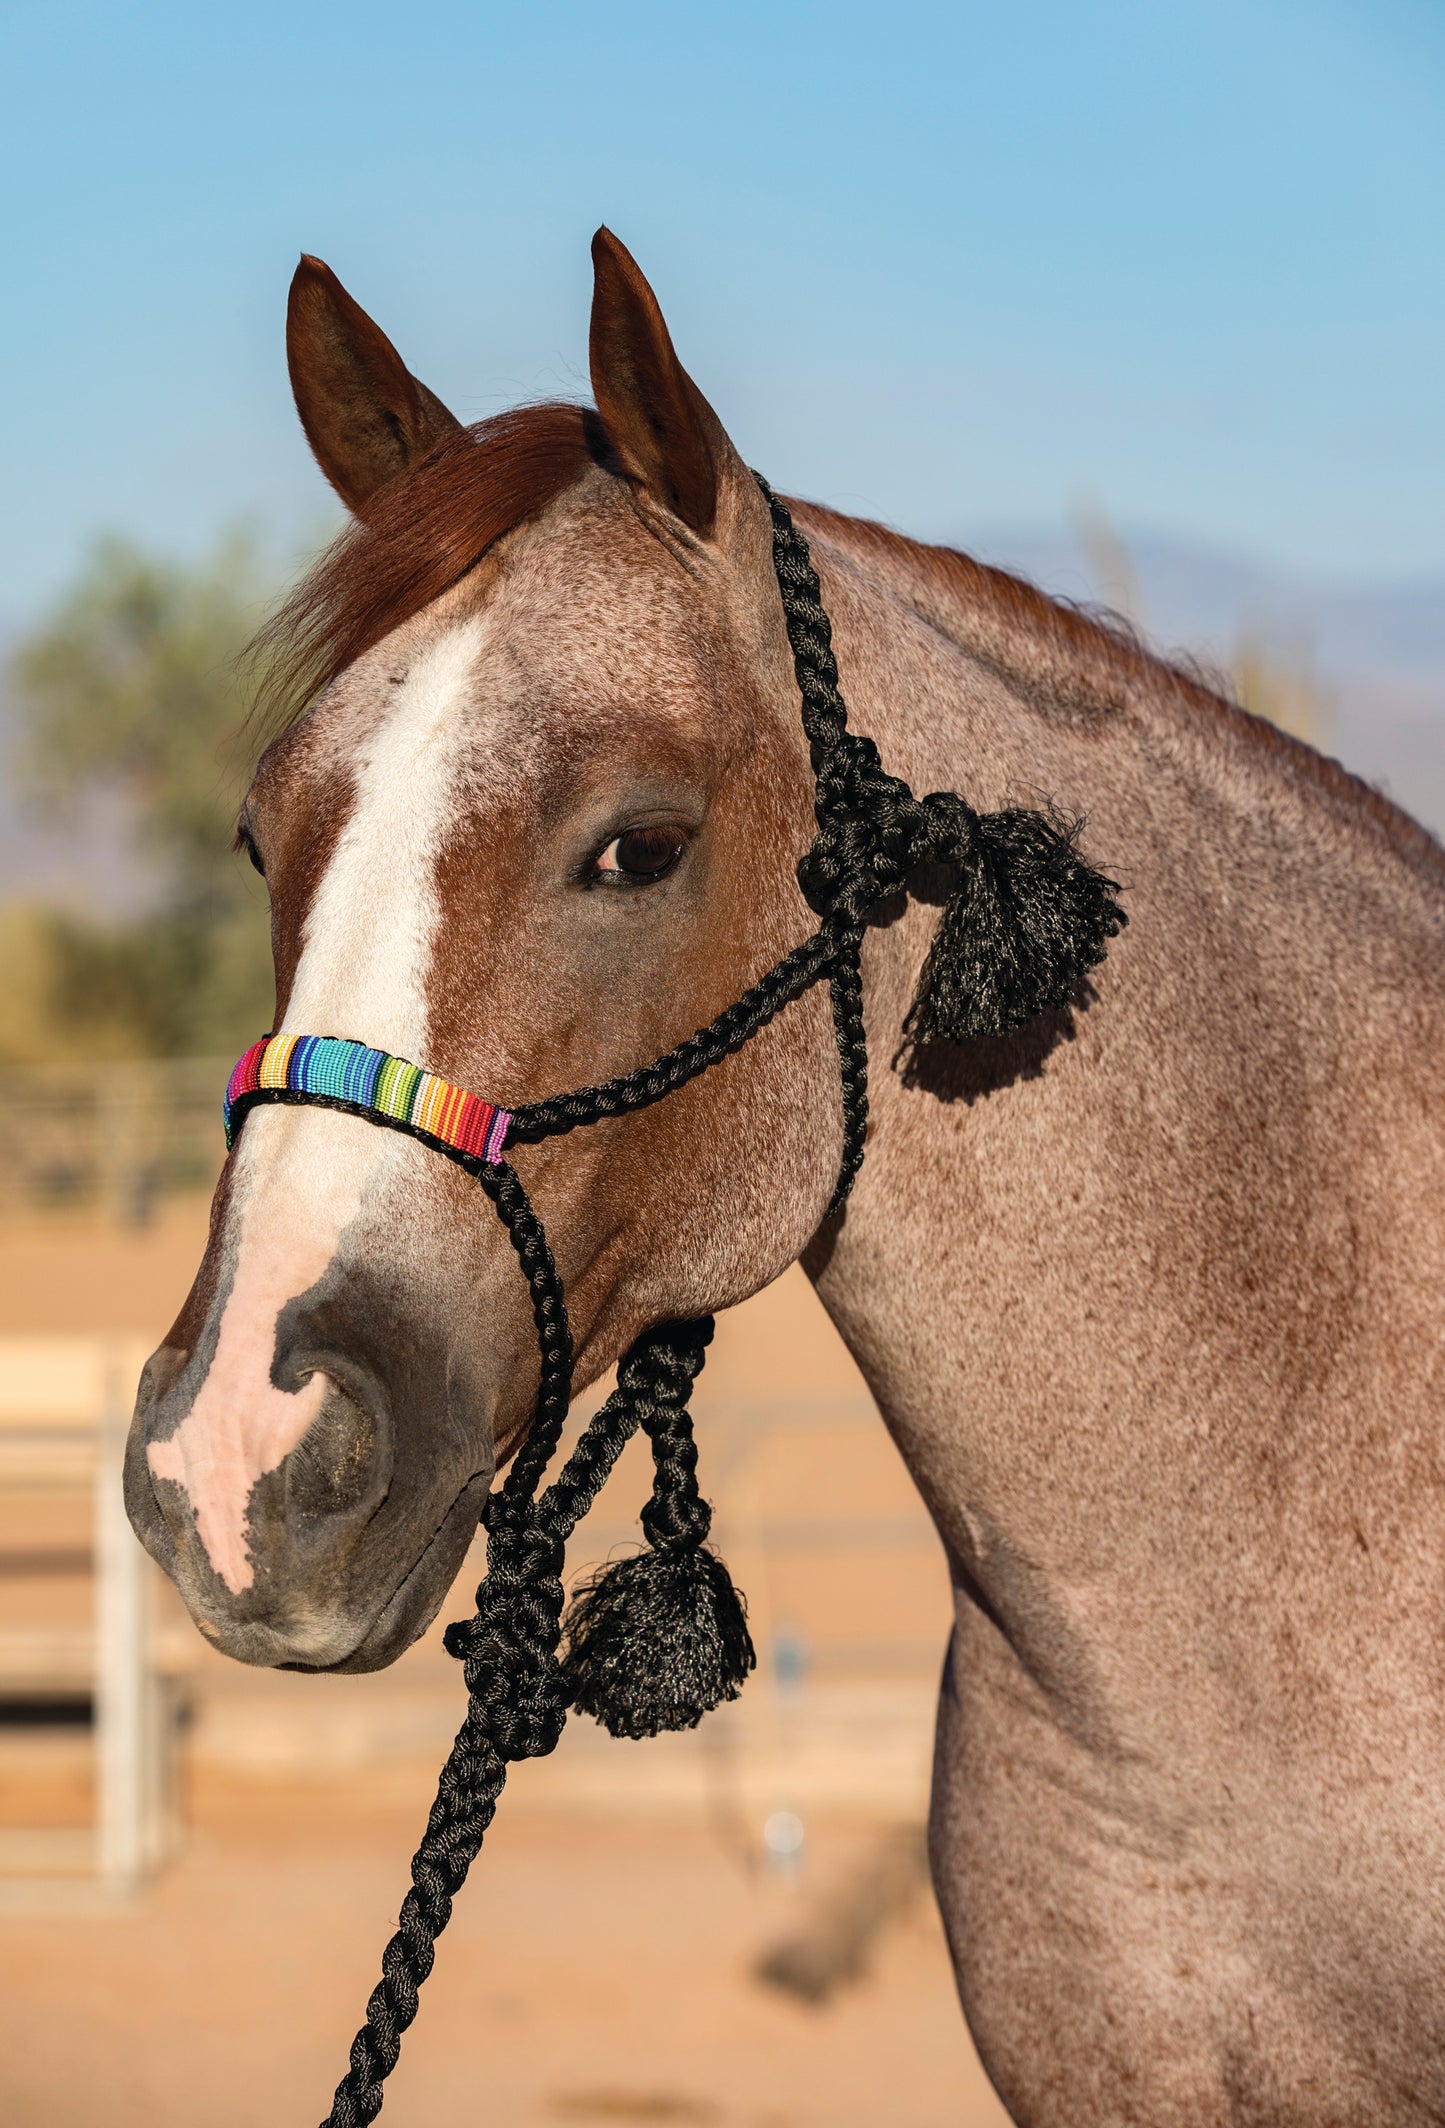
423 532
1072 656
1091 665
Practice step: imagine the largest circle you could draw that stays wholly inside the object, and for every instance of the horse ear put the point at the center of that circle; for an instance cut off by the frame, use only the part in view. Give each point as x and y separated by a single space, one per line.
666 436
365 416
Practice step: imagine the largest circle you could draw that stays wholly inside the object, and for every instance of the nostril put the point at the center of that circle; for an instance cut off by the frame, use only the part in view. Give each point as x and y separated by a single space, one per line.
340 1466
142 1508
159 1376
147 1516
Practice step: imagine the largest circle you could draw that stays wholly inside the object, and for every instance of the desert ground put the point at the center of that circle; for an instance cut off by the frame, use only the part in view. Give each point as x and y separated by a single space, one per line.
643 1939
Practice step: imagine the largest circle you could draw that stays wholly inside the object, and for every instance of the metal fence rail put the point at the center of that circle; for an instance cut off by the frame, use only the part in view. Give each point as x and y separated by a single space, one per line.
109 1139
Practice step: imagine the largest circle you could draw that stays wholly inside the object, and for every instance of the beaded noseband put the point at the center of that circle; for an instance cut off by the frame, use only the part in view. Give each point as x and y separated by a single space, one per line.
323 1072
656 1640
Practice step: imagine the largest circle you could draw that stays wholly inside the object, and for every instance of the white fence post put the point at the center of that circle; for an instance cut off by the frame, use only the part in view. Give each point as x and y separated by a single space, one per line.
123 1714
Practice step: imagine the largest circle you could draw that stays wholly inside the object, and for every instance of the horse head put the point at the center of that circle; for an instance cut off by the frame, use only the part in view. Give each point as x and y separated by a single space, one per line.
534 817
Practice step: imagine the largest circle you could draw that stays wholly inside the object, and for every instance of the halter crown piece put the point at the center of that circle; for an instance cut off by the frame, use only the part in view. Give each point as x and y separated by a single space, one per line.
657 1640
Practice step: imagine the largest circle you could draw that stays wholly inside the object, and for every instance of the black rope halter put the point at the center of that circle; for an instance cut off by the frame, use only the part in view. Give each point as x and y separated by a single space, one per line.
655 1641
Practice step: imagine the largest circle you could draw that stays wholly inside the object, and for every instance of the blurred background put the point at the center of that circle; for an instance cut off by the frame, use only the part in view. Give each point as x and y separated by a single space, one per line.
1142 301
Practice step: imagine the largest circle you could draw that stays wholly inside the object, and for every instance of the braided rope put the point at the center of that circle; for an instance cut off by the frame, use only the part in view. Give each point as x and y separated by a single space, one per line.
872 832
554 1338
839 858
516 1696
807 964
515 1707
676 1517
852 1043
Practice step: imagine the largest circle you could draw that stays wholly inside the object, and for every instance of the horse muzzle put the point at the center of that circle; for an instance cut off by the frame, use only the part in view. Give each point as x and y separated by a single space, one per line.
336 1557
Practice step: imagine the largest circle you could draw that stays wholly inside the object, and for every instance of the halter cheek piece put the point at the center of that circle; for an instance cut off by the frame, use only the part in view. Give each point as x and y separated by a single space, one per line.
655 1641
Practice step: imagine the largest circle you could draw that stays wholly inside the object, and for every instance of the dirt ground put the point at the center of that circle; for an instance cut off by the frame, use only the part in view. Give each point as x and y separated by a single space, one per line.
595 1971
601 1964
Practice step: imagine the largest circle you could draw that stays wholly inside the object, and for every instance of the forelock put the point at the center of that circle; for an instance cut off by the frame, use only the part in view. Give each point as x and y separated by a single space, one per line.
425 530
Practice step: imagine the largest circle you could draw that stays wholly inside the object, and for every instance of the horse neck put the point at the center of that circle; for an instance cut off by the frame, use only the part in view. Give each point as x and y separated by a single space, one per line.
1034 1209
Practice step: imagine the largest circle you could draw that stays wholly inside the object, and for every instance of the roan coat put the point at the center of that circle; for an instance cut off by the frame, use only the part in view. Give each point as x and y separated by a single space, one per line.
1149 1295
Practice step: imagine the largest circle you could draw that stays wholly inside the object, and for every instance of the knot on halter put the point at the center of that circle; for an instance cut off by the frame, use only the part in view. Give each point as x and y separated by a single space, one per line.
1027 916
508 1650
869 830
658 1640
873 833
655 1641
1027 919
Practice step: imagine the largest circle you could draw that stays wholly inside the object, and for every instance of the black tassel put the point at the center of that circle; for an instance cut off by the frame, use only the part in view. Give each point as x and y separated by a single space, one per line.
1028 919
657 1641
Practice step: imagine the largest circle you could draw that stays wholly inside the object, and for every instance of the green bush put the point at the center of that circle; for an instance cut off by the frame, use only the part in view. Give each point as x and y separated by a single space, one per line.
138 684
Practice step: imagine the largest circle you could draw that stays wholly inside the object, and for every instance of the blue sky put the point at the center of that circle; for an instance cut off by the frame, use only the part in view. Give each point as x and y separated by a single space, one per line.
956 266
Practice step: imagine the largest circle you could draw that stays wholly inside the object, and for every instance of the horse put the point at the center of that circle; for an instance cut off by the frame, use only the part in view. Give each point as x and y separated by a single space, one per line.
1147 1291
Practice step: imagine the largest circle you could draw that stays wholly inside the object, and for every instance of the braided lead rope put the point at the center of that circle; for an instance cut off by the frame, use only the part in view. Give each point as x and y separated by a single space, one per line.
825 722
1046 917
517 1696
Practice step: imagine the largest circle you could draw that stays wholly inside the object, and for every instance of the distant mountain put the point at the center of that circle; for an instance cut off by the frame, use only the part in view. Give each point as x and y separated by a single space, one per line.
1194 596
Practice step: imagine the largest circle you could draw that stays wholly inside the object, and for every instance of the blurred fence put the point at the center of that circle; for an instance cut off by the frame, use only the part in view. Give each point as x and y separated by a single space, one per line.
108 1139
87 1717
849 1598
848 1604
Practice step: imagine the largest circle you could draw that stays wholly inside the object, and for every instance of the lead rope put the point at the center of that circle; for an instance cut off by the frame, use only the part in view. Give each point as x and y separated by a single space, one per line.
656 1640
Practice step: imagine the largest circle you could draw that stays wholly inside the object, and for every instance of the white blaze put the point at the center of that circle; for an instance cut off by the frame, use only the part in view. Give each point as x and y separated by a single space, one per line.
302 1174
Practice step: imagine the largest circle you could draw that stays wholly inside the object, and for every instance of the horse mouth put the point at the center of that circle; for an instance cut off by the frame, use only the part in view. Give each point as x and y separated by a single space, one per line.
311 1605
412 1606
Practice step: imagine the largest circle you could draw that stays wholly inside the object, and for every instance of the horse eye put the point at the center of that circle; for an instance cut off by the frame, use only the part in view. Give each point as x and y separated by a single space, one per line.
244 842
642 853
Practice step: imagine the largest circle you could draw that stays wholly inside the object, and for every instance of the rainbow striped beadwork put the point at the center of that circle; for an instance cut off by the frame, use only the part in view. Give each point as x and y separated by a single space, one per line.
372 1083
